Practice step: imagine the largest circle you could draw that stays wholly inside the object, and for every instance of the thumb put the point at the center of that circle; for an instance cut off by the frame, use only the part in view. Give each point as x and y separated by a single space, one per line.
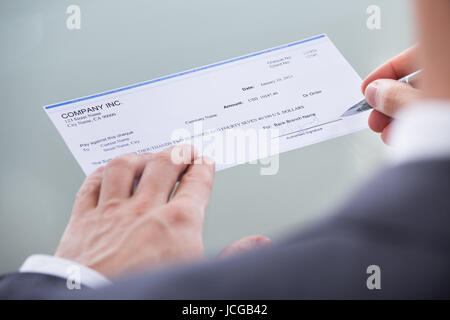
389 96
245 245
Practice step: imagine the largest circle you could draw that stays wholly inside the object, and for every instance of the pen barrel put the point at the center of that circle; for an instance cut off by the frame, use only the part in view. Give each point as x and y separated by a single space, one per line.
412 79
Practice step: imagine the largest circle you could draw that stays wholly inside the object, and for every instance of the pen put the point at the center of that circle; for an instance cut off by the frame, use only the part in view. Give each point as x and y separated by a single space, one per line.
363 105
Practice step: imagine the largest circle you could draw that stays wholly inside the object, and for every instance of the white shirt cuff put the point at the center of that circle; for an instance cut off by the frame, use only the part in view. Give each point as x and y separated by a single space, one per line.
66 269
421 131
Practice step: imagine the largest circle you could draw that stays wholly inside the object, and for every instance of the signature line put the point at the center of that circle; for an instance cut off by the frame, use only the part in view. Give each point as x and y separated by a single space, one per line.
318 125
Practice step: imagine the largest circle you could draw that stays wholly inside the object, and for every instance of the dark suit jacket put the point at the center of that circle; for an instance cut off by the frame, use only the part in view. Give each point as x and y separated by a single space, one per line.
399 220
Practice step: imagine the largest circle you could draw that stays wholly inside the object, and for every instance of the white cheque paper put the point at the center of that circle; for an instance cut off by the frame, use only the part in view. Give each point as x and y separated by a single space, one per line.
271 101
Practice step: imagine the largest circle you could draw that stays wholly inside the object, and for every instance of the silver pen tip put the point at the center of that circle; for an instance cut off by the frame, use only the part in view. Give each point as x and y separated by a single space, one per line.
357 108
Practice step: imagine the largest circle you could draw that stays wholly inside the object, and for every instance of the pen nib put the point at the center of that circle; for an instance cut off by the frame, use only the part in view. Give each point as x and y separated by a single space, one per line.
357 108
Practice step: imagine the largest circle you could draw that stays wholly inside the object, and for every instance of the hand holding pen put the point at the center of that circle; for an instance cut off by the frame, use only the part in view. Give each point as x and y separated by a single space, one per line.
388 89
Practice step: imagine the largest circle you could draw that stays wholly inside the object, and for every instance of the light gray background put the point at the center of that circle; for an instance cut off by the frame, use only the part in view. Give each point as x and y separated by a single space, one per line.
124 42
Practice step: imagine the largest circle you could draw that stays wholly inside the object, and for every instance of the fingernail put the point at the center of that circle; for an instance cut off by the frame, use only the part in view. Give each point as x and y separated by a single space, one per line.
371 94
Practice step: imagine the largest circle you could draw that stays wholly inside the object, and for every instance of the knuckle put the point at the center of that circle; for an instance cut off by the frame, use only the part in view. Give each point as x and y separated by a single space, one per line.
389 99
90 186
111 204
179 214
184 148
182 154
156 227
202 177
122 161
82 193
141 204
84 190
163 158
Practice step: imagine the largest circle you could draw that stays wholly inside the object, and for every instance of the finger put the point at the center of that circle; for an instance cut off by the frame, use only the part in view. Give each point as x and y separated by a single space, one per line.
245 245
397 68
433 28
195 188
87 196
119 176
389 96
386 134
378 121
162 172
